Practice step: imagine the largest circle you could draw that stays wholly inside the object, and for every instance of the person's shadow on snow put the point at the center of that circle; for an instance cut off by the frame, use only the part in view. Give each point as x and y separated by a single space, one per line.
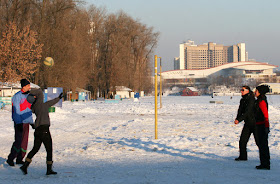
150 146
2 160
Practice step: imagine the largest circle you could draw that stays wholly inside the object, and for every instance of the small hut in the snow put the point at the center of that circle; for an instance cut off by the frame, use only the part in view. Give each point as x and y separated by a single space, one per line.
80 94
123 91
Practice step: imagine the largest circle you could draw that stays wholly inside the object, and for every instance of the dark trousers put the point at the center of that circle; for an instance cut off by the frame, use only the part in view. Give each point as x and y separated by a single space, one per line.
19 146
42 135
263 145
244 138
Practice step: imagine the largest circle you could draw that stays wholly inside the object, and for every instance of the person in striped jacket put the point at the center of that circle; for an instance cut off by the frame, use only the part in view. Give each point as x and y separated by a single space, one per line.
22 117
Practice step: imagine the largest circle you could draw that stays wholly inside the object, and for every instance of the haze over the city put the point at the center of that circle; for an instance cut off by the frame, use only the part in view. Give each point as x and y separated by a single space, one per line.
253 22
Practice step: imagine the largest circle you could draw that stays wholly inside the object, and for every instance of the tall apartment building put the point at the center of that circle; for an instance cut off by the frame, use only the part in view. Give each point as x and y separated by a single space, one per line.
209 55
176 63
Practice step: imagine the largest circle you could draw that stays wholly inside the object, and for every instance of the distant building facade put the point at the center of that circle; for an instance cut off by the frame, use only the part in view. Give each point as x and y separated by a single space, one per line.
209 55
274 88
247 70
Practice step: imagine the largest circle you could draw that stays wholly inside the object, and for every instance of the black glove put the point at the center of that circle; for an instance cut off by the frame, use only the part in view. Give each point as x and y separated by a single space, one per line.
266 130
30 98
61 95
33 126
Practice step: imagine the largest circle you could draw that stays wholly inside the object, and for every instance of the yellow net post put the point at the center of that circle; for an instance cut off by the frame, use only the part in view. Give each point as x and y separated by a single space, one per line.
160 84
156 133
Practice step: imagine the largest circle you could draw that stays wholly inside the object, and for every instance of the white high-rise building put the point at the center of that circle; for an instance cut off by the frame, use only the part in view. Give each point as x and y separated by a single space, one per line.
209 55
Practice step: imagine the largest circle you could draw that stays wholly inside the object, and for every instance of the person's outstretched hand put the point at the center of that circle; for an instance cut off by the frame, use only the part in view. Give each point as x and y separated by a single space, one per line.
61 95
32 125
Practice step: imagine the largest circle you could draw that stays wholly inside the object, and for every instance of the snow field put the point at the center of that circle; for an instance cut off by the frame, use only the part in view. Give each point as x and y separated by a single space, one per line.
95 142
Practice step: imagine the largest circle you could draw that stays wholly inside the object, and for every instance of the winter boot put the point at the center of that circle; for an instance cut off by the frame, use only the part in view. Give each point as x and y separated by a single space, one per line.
262 167
10 162
19 159
25 165
240 159
49 168
19 162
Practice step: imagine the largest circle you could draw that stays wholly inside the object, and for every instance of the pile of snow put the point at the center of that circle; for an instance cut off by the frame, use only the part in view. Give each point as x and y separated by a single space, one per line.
96 142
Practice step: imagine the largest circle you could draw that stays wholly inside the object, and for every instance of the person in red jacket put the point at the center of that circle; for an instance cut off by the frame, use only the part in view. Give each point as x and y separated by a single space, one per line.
262 126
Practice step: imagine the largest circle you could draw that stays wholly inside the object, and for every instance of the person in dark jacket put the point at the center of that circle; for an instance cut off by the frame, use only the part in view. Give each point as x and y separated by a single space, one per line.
246 113
42 132
22 117
262 124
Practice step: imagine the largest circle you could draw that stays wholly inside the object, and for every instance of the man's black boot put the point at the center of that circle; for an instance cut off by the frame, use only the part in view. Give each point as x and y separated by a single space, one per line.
262 167
240 159
19 162
10 162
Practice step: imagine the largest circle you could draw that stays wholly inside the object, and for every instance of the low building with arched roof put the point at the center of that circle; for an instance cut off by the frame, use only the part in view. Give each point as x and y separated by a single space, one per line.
246 69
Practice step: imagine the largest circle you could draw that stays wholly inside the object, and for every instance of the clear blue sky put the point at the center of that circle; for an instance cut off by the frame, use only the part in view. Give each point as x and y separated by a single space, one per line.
228 22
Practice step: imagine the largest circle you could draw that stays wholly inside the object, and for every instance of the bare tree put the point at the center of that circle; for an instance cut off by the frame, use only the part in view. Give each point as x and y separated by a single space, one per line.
124 53
19 53
91 48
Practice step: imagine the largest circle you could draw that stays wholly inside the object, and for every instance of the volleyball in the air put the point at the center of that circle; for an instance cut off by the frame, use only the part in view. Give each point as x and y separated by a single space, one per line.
49 61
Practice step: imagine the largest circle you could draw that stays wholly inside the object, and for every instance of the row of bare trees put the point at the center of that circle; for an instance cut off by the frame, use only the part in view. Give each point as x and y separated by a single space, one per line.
91 48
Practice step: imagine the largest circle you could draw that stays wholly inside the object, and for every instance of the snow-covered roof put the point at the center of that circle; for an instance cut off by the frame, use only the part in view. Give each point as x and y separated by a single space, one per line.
82 90
16 85
192 89
122 88
204 73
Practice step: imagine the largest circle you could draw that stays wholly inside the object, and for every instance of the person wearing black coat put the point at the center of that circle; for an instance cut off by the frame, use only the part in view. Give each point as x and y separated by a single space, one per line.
42 132
262 126
246 113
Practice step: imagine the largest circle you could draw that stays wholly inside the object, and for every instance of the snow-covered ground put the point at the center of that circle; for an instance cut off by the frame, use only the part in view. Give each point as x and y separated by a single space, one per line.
95 142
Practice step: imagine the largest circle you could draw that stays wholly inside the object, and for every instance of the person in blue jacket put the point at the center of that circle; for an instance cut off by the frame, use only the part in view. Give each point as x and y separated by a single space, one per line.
22 117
